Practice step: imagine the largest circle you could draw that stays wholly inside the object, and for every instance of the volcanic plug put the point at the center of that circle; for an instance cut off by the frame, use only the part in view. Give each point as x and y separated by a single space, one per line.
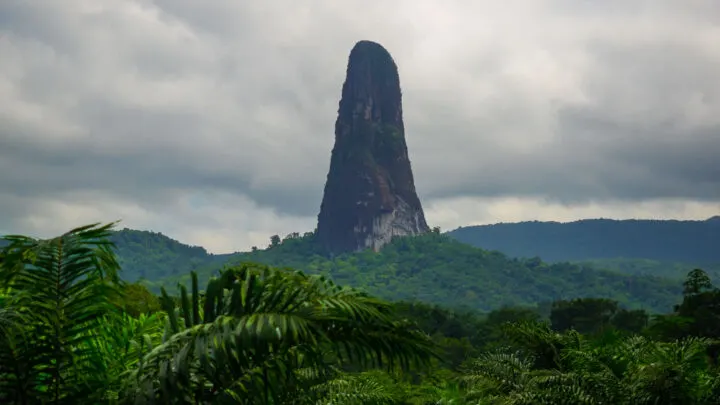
370 194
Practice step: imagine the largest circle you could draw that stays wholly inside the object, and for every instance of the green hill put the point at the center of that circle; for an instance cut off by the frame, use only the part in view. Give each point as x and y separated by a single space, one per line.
433 268
436 269
152 255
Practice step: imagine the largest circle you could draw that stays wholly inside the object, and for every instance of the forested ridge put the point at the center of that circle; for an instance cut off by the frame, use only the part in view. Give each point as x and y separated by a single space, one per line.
667 241
72 332
152 255
436 269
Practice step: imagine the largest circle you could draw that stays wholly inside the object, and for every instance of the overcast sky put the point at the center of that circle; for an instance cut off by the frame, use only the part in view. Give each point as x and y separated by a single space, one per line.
212 121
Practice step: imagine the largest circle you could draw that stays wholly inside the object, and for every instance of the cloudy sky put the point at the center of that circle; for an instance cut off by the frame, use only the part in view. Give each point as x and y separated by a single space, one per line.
212 121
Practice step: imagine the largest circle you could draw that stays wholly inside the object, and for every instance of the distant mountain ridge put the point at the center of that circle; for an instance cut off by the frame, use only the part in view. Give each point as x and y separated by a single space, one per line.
590 239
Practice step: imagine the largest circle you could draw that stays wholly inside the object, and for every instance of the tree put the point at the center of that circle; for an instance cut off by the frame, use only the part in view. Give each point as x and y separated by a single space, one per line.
586 315
697 282
137 299
701 303
633 321
616 370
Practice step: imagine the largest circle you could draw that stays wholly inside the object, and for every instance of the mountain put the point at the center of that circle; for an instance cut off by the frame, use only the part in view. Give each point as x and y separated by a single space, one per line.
436 269
601 239
369 195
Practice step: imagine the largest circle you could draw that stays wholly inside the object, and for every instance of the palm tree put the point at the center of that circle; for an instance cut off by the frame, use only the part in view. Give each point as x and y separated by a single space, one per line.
62 288
259 327
613 370
367 388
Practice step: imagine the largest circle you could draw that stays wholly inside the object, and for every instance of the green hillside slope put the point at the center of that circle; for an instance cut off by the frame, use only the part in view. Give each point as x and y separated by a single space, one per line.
666 269
152 255
432 268
437 269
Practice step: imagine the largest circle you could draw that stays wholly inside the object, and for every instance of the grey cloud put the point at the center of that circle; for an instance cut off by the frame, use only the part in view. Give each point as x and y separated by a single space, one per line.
634 138
241 97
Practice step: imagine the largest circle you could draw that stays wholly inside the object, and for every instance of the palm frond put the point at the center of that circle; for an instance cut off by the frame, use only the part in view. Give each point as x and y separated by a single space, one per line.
260 323
62 287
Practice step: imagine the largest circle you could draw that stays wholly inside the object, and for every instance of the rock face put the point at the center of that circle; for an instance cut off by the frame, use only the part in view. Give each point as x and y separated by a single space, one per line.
370 192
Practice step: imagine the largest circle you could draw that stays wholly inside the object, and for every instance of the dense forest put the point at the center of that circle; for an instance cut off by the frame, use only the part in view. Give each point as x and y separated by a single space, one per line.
665 241
665 269
72 332
160 260
436 269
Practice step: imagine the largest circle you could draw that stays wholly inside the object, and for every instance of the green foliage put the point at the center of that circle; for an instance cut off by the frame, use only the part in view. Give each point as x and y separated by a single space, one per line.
697 282
62 288
123 342
463 333
151 255
630 370
701 303
258 324
138 299
371 388
473 277
593 315
70 332
436 269
543 366
643 267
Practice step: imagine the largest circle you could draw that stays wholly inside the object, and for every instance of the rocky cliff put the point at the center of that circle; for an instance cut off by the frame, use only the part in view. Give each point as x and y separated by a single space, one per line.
370 192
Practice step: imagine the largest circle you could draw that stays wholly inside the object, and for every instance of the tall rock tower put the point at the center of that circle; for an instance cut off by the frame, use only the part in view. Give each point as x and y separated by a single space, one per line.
370 192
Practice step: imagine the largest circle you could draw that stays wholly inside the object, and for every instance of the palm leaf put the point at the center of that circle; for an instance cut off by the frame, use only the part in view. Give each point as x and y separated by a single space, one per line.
260 324
63 287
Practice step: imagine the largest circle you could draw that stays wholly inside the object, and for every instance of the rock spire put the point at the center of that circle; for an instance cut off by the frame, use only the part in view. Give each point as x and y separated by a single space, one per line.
370 193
